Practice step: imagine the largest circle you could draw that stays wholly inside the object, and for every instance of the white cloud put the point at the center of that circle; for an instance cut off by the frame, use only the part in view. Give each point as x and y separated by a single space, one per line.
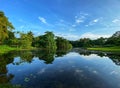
43 20
93 36
94 21
80 18
91 57
41 71
116 21
68 36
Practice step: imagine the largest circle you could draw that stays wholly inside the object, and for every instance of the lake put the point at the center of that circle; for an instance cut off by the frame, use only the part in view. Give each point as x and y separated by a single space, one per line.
61 69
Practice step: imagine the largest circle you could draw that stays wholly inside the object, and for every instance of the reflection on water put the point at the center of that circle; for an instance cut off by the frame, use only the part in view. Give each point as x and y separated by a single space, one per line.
61 69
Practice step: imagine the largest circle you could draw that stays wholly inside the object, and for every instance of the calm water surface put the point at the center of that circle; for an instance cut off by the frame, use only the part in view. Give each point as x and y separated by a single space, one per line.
74 69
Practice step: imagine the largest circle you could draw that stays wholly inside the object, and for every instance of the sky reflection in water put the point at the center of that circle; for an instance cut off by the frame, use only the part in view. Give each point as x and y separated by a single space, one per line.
71 70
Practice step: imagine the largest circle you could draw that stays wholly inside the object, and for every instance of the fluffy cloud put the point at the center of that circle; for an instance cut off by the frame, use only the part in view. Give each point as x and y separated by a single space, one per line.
116 21
94 21
80 18
43 20
93 36
68 36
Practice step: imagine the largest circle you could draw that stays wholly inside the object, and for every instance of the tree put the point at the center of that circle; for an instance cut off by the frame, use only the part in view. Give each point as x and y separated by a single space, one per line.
5 26
63 44
26 39
47 41
85 42
99 42
114 40
11 37
50 41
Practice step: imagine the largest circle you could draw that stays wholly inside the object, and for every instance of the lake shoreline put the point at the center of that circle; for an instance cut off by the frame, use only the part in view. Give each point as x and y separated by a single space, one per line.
5 49
106 49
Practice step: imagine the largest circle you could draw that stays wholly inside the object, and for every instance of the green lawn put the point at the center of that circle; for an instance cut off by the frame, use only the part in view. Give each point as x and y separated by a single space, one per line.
5 49
111 49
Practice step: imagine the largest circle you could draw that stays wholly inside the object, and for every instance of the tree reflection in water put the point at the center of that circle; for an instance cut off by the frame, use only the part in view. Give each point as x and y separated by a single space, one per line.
114 56
4 60
47 55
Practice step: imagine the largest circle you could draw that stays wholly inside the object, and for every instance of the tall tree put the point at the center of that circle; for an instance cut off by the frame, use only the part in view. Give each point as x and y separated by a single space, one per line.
11 37
5 26
63 44
26 39
49 41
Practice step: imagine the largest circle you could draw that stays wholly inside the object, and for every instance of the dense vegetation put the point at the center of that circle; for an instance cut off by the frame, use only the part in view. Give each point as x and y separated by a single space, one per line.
48 40
5 27
112 42
27 40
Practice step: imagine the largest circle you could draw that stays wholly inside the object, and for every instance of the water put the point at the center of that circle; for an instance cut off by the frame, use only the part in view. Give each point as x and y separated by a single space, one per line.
74 69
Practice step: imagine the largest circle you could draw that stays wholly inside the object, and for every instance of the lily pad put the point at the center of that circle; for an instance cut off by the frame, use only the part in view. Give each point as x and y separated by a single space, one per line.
26 79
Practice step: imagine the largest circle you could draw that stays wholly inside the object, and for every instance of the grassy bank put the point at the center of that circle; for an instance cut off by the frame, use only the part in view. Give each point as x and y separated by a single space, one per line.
108 49
5 49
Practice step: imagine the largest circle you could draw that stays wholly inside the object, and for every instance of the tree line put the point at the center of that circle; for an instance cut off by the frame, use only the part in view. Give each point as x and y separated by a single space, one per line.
27 40
48 40
114 40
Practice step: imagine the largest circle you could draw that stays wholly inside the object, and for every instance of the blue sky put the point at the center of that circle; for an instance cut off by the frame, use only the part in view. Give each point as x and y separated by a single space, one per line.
72 19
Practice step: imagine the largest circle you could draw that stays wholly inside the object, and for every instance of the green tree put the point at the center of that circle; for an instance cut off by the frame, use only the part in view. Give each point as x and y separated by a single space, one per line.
50 41
85 42
62 44
99 42
26 39
5 26
47 41
11 37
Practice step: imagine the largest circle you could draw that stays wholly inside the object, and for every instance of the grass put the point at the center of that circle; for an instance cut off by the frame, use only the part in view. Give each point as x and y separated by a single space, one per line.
108 49
5 49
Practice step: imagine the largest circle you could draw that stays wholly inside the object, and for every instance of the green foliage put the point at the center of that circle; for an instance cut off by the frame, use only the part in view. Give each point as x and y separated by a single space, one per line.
8 41
113 41
83 42
5 49
49 41
63 44
26 40
112 49
5 26
100 42
46 41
